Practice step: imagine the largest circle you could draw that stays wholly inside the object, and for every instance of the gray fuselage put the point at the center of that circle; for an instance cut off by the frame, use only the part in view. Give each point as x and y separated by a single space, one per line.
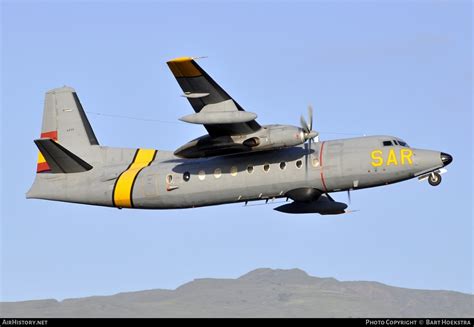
171 182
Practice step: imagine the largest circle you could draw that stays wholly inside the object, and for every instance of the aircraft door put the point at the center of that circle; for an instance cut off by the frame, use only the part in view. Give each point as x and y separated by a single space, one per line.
151 189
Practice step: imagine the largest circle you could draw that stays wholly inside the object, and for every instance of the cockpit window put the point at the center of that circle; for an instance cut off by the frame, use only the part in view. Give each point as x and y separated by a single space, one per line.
403 144
395 142
387 143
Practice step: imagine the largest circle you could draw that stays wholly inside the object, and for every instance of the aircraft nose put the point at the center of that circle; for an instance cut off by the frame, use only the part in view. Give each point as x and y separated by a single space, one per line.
446 158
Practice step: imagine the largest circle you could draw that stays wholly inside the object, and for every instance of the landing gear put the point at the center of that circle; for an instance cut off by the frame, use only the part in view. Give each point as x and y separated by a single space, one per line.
434 179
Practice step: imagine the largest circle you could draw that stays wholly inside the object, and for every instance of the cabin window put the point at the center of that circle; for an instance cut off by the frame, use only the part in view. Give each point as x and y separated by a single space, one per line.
233 171
387 143
314 162
202 175
266 167
299 163
282 165
249 169
186 176
217 173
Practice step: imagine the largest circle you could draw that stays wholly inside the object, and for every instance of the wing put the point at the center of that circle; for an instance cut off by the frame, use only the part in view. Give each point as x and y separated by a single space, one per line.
205 94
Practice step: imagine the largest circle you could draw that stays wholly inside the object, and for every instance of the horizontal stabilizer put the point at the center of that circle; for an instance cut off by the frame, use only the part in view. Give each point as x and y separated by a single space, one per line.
59 159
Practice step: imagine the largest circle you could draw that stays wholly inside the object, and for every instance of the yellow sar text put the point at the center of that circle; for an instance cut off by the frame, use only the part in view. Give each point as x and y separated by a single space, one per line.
403 158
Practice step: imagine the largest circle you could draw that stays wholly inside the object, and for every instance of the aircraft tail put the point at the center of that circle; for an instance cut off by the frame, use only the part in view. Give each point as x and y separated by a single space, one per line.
65 122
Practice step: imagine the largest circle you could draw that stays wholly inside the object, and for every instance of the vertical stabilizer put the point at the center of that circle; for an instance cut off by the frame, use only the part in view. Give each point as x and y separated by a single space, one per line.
65 121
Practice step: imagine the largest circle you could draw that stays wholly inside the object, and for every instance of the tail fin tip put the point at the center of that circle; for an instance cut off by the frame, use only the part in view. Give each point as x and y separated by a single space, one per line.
64 88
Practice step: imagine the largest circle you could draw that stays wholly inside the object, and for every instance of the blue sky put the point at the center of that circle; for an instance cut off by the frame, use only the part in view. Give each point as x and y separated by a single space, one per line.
399 68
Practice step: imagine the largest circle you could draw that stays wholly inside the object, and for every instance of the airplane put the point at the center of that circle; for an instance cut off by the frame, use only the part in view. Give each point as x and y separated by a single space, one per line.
238 160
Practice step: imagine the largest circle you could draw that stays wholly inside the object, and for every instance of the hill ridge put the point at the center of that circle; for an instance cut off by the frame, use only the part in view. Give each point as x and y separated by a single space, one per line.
262 292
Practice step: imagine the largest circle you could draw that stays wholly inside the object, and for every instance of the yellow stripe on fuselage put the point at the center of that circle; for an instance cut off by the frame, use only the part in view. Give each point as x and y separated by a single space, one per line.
124 185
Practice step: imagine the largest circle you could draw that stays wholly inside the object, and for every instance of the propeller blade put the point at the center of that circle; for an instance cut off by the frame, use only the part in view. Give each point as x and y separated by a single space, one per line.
309 134
349 196
308 153
304 125
306 161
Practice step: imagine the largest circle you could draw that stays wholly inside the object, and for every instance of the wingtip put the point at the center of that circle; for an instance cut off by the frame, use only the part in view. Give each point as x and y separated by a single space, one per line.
180 59
184 67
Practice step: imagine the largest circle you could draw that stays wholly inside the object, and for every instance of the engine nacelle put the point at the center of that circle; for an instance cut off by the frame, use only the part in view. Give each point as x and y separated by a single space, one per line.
269 137
278 136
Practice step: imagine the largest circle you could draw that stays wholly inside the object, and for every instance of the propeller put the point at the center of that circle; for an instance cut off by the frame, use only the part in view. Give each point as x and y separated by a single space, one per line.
349 196
308 133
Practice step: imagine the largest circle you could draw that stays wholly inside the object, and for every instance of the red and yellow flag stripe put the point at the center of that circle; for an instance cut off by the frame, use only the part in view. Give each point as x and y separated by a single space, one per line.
42 165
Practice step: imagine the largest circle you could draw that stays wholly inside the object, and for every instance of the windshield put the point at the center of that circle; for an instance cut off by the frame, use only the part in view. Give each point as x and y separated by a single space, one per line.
403 143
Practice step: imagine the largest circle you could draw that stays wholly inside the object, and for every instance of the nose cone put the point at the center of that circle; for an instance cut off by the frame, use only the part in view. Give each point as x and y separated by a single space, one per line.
446 158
